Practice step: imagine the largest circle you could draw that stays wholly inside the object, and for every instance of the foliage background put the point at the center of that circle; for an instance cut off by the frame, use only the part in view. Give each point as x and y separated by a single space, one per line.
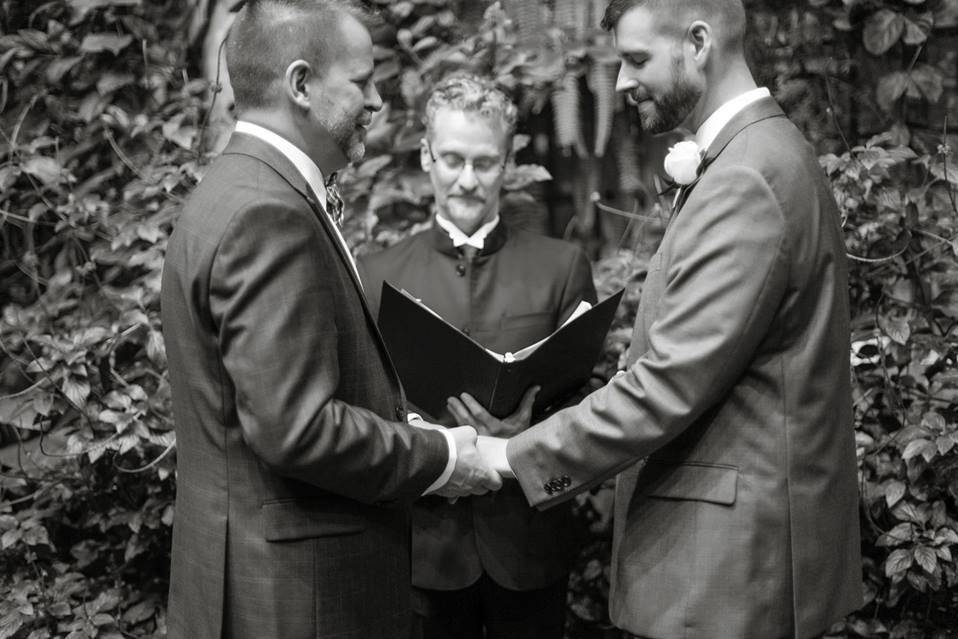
110 109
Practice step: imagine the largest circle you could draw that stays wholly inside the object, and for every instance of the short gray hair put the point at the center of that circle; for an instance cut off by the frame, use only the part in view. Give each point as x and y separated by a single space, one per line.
471 94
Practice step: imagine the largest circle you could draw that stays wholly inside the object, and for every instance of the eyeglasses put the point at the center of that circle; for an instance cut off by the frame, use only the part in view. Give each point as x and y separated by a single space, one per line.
484 166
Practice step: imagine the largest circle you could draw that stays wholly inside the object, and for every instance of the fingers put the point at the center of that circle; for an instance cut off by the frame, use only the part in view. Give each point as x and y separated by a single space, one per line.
459 411
475 409
524 413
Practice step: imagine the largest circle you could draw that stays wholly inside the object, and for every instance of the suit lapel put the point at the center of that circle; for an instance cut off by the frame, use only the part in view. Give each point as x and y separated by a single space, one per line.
270 155
755 112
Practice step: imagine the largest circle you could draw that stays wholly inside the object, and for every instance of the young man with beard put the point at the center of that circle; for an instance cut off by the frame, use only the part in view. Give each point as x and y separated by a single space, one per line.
743 523
296 468
484 566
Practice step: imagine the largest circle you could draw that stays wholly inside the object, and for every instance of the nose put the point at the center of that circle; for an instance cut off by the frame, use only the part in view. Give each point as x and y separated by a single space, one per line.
373 101
624 81
467 178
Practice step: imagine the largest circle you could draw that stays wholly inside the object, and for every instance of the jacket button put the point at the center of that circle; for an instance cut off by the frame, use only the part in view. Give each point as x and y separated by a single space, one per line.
460 269
566 481
548 488
400 412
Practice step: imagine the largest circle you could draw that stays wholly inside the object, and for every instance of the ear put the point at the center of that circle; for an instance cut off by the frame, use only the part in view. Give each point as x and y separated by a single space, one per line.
425 159
296 83
700 37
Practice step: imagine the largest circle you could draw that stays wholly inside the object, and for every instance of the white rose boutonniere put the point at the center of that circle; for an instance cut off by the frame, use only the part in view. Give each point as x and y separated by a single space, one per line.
682 162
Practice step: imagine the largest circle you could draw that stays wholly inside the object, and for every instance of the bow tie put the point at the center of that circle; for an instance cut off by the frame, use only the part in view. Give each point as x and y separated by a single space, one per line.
334 201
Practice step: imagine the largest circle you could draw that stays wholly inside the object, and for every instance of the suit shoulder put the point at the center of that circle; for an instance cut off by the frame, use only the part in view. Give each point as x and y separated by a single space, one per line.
400 251
545 247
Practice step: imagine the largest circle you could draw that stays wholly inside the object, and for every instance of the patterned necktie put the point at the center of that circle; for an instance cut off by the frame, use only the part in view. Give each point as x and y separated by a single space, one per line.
334 202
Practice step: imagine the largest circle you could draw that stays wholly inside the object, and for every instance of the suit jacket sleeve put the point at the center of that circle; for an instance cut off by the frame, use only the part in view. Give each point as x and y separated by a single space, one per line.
279 343
578 288
724 281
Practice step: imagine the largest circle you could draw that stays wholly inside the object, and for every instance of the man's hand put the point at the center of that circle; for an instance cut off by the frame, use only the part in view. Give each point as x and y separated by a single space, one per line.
472 475
467 410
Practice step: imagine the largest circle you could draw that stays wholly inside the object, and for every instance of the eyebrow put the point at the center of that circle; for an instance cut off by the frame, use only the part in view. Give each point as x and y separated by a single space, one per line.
635 55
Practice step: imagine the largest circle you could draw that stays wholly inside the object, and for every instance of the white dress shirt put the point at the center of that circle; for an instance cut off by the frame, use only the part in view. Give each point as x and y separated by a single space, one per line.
314 178
724 114
477 240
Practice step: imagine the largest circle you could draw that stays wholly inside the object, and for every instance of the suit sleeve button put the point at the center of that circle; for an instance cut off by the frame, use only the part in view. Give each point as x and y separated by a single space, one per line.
566 481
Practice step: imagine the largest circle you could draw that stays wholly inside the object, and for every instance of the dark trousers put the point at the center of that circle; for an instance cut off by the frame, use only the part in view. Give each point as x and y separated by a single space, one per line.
486 610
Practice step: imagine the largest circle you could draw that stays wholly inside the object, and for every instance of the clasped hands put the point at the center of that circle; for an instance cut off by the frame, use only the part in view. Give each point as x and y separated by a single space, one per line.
477 439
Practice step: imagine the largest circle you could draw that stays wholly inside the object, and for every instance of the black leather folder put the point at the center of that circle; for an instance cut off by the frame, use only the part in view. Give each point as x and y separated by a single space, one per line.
436 360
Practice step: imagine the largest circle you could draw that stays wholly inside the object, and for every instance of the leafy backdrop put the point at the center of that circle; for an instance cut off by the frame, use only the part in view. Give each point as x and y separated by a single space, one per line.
111 109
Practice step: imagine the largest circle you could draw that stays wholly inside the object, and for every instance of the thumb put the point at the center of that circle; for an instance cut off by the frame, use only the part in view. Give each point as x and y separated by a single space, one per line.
528 401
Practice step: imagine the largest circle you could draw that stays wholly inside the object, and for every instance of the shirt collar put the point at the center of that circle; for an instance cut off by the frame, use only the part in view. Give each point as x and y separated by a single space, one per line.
477 239
302 162
724 114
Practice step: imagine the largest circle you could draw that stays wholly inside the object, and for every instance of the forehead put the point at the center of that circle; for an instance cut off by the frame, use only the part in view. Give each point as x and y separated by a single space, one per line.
639 29
467 130
352 49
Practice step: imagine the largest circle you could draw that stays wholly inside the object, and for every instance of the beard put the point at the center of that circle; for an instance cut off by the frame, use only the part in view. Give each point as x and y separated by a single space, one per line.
350 137
672 108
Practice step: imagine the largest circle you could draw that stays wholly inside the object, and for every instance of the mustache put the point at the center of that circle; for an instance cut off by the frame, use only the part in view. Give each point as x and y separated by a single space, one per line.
635 96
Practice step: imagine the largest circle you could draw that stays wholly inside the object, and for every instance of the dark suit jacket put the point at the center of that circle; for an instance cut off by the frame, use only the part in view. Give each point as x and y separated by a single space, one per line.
517 290
294 483
744 521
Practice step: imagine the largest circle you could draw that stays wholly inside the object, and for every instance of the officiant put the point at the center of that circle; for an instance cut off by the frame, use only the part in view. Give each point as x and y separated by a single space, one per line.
485 566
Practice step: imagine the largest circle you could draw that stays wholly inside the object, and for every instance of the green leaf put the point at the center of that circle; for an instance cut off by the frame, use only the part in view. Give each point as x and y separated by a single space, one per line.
926 558
894 491
882 30
906 511
110 82
916 31
918 447
521 176
944 443
930 81
10 537
897 329
946 536
59 67
96 42
77 390
898 535
36 535
890 88
898 562
139 612
45 169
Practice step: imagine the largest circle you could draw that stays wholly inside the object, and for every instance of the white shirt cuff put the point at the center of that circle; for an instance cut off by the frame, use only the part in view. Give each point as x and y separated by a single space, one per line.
493 451
418 422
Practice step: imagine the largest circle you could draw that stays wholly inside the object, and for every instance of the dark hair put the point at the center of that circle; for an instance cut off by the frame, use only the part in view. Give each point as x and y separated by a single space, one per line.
727 16
267 35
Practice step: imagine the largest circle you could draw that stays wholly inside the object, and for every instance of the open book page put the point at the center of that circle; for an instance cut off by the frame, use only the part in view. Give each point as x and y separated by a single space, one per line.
523 353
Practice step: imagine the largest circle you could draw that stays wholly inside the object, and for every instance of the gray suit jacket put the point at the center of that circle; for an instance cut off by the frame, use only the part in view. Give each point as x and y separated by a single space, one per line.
295 469
744 521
